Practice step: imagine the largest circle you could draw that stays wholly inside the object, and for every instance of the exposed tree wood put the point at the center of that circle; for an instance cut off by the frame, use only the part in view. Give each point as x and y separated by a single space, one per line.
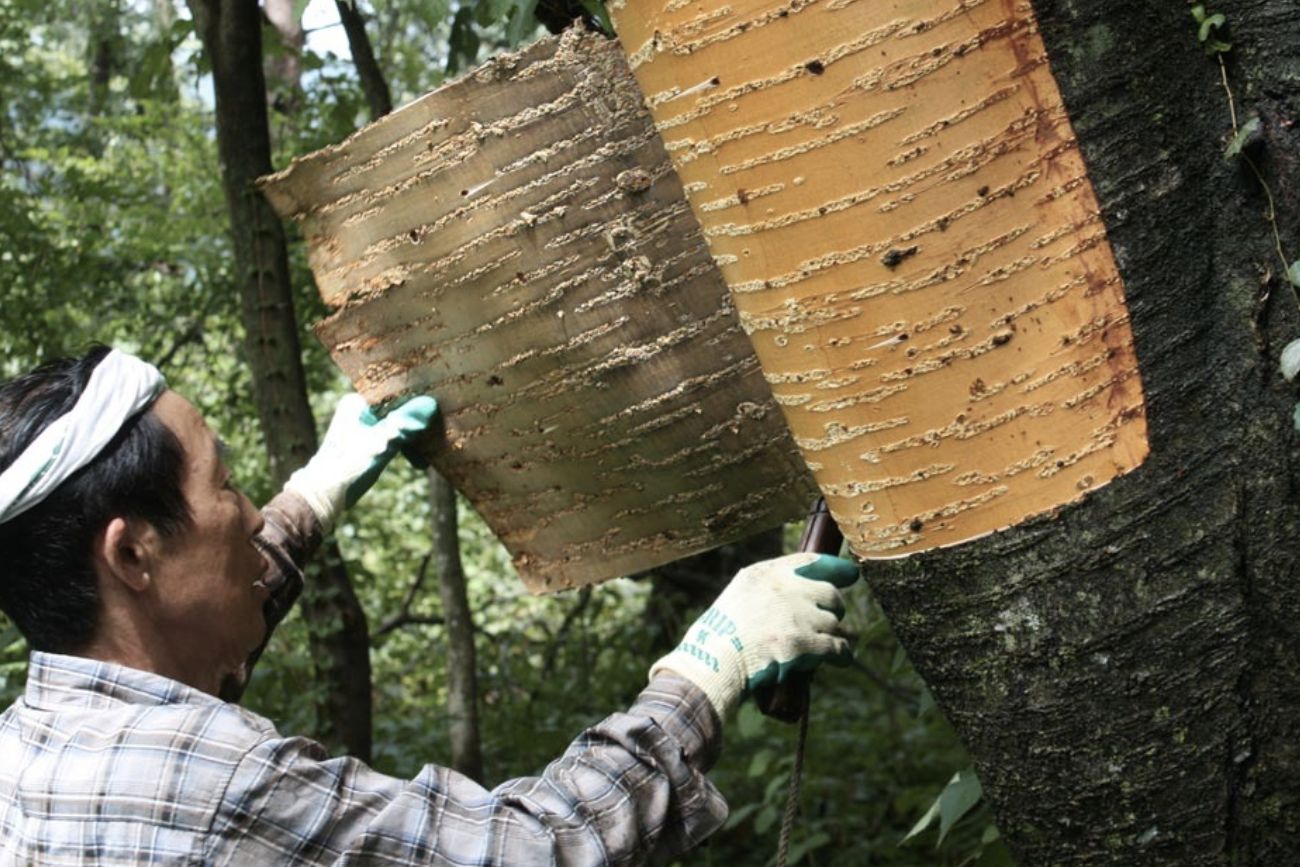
232 38
517 244
894 194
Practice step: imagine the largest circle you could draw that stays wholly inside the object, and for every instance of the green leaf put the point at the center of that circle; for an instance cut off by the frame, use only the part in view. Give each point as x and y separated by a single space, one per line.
1289 361
900 661
923 823
463 41
1208 25
1295 418
803 847
1293 274
749 721
956 800
765 820
523 21
760 763
739 816
926 704
1198 12
1244 136
776 787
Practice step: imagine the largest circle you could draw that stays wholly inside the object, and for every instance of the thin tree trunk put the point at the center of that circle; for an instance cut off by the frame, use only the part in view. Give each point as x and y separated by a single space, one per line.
284 68
373 83
231 34
105 38
462 664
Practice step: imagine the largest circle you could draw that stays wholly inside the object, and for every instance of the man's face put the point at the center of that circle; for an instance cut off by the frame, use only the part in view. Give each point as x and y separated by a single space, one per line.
208 596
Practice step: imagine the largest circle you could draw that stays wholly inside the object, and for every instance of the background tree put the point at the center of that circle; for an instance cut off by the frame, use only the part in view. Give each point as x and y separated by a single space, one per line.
231 36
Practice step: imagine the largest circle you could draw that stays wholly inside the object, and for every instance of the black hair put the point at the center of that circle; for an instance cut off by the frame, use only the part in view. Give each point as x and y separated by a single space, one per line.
47 580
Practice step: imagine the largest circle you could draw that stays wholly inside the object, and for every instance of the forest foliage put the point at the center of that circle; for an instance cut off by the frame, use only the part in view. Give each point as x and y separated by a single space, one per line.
112 229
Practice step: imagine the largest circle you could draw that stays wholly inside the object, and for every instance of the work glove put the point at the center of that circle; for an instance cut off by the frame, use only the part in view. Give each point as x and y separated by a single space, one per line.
775 617
357 447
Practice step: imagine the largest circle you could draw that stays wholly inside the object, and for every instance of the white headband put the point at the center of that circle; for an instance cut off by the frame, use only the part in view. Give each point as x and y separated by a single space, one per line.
120 386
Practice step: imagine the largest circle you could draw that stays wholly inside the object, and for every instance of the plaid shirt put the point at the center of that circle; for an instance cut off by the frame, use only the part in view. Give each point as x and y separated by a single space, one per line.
103 764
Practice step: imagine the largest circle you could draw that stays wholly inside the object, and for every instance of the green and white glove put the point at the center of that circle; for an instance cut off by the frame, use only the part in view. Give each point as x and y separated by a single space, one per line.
357 447
775 617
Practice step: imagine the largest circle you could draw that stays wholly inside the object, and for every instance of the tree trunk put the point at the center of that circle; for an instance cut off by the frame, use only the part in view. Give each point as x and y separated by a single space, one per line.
1124 670
373 83
1126 673
231 34
105 46
462 663
284 65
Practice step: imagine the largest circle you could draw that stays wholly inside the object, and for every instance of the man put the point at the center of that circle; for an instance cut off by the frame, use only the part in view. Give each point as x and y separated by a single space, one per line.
144 581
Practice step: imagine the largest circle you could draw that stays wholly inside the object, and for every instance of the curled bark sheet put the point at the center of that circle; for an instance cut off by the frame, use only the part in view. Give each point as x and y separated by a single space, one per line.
517 244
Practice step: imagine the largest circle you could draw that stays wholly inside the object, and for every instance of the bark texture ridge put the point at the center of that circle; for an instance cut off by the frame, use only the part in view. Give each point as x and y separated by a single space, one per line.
518 244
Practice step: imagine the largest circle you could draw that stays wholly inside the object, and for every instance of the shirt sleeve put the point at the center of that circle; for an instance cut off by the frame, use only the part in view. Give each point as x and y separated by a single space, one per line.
630 790
291 535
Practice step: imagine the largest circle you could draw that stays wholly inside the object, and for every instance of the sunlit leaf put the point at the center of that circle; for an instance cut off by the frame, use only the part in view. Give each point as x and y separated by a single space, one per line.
957 799
1245 135
924 822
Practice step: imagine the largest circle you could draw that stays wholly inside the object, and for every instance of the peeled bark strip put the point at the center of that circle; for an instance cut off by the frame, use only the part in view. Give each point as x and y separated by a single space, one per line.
894 194
517 244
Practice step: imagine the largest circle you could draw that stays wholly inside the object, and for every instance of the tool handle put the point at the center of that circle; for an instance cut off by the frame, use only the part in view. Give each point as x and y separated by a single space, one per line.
788 701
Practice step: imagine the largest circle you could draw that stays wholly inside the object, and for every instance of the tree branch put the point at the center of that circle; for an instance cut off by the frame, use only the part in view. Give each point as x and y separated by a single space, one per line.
404 617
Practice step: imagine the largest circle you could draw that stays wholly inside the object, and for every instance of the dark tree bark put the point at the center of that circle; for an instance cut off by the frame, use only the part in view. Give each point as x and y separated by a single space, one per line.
462 662
231 34
1127 672
373 83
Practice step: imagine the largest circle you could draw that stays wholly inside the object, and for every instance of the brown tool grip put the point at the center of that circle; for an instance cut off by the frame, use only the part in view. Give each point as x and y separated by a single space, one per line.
788 701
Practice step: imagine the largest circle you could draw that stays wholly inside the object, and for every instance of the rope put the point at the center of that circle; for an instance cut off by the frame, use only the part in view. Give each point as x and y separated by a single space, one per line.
792 797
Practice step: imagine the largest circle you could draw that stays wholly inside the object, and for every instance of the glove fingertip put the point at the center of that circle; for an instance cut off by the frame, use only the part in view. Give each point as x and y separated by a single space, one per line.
422 406
835 570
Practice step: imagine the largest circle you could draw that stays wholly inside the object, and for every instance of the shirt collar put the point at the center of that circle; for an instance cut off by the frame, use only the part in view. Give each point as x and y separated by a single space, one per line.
55 681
